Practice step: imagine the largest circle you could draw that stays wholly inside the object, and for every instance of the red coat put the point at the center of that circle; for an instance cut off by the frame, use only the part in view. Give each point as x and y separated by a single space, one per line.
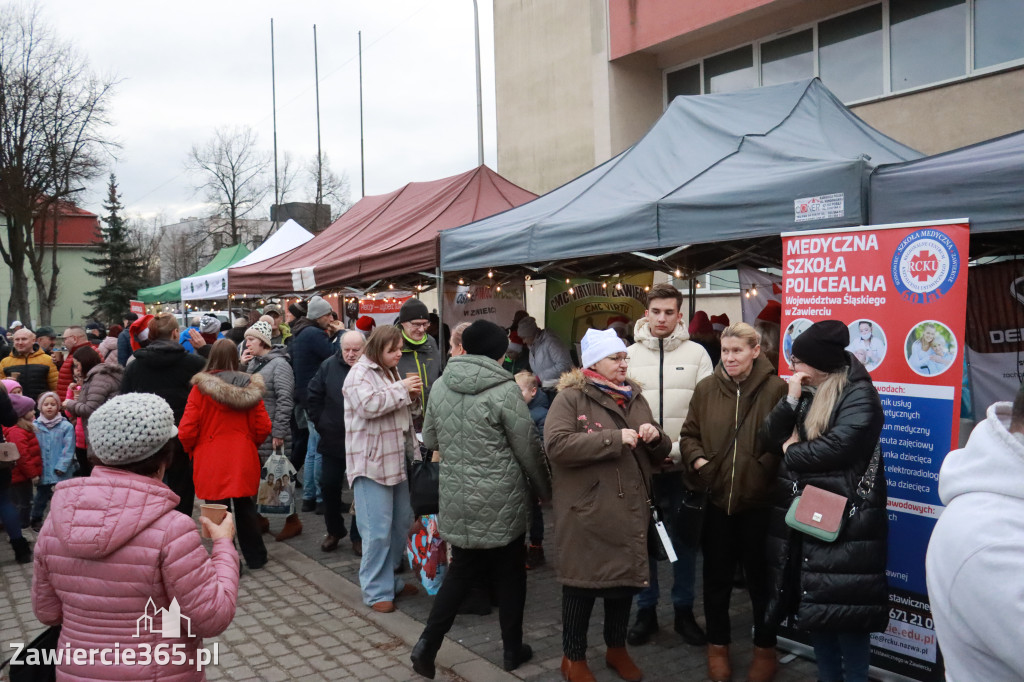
224 422
30 464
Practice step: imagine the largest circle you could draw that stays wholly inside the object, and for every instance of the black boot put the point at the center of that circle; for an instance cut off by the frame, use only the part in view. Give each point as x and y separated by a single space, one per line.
514 659
686 625
22 551
423 658
644 628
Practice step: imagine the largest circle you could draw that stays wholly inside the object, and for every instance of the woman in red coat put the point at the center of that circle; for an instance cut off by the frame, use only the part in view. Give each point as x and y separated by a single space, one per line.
223 424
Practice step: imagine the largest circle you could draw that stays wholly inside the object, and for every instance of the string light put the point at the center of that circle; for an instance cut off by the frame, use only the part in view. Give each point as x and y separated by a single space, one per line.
531 287
391 286
490 274
678 273
572 291
698 284
604 285
461 281
566 280
647 288
618 286
497 288
753 290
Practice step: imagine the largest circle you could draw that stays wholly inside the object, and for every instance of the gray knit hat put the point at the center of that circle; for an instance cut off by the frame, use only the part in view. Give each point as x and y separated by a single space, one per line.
260 331
130 428
318 307
209 324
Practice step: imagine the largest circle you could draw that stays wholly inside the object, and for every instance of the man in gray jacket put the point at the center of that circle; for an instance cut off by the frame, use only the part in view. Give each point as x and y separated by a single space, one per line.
492 458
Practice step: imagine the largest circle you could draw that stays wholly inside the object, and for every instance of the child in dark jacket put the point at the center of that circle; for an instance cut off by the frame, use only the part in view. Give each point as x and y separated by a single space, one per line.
30 463
56 436
539 404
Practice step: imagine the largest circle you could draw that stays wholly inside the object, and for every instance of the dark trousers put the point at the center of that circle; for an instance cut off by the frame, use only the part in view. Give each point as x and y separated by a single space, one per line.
505 569
21 496
577 606
84 465
730 541
536 522
300 437
178 478
247 526
332 482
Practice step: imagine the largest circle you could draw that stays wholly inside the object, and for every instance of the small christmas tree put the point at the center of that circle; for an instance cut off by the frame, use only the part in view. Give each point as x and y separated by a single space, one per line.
118 263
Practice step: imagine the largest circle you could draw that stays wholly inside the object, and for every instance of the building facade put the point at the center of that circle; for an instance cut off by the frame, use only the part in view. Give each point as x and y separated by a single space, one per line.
578 81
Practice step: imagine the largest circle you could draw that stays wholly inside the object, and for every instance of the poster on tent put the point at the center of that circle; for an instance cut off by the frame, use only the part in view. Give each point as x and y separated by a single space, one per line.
575 306
383 310
902 290
995 333
497 303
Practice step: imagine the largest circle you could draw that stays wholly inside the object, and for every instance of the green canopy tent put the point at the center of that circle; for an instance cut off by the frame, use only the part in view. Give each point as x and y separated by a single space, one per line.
171 291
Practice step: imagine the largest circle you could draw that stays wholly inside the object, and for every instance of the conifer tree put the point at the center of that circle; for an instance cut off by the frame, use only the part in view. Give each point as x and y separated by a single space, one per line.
118 264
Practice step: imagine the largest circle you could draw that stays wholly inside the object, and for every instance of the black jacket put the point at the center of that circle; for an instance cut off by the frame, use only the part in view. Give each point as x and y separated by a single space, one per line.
309 347
165 368
325 405
838 586
7 418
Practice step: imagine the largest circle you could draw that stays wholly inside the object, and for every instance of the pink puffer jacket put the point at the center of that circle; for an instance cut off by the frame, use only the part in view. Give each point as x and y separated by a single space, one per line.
112 542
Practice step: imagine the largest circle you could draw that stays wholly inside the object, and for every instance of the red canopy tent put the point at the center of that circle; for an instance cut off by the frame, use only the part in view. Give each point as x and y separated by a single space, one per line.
384 236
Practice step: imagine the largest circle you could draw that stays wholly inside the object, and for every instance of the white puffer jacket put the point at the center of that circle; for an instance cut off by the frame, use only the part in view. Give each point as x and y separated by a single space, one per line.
668 370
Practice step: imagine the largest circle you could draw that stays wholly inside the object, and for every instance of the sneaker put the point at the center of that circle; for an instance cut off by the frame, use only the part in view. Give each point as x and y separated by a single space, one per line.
37 525
534 557
308 505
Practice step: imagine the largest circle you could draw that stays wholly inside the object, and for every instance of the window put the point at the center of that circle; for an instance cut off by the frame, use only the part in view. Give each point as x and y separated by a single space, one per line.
683 82
850 54
998 32
788 59
730 71
927 41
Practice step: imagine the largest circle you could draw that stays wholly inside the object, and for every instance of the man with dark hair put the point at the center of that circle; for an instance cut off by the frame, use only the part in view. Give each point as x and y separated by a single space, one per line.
46 339
975 561
668 365
124 340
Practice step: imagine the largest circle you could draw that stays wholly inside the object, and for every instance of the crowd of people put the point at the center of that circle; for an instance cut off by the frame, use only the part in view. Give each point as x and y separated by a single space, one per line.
684 442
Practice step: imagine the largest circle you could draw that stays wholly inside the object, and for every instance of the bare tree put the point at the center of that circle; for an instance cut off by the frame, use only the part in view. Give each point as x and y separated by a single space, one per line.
231 172
145 237
327 188
286 177
52 119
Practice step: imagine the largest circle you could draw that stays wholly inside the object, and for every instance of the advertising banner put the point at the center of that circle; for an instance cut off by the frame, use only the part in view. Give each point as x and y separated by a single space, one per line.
137 307
902 290
466 303
383 310
995 333
578 305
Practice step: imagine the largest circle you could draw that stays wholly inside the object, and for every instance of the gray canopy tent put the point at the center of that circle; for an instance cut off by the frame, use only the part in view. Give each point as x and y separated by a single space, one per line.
716 177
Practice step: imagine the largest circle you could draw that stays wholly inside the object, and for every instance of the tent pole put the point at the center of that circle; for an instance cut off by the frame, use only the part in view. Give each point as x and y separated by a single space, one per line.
442 341
693 297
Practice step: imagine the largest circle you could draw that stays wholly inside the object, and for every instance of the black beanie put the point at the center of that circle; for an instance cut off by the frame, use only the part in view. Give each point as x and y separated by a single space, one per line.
485 338
823 345
297 309
413 309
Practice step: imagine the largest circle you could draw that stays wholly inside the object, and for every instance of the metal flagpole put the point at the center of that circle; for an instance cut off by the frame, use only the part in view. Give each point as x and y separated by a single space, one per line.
362 162
319 154
479 90
273 96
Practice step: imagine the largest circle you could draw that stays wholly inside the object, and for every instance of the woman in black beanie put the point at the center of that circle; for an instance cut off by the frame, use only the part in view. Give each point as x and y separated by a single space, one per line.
827 429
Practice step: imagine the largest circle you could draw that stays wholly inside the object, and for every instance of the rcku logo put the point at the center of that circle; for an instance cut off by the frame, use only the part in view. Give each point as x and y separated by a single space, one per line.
925 266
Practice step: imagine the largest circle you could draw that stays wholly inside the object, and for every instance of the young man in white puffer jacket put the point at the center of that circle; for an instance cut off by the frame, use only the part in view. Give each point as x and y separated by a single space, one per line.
668 365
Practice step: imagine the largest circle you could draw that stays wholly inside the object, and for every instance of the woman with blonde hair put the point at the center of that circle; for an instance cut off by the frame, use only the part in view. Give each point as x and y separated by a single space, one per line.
827 431
379 438
725 455
929 354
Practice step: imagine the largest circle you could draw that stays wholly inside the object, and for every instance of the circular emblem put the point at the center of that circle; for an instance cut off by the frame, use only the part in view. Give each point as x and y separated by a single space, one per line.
925 266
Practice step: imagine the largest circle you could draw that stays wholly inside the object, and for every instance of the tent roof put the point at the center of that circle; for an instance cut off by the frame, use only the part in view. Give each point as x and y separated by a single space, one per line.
171 291
714 168
982 182
287 237
384 236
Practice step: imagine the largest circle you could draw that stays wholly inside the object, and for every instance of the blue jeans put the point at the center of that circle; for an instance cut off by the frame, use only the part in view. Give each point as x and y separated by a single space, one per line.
384 514
9 515
683 574
44 491
313 468
842 656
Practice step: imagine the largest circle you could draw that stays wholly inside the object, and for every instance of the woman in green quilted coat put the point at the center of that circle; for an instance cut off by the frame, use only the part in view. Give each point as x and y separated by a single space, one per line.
490 459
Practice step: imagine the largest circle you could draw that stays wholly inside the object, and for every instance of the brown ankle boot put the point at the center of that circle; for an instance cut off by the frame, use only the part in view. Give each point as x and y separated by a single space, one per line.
764 665
719 668
618 660
292 527
576 671
264 523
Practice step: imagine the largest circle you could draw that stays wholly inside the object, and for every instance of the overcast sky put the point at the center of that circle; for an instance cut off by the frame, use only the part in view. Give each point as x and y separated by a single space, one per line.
188 67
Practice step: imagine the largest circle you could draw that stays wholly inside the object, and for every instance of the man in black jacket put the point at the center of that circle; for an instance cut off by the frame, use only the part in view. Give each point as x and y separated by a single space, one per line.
165 368
326 408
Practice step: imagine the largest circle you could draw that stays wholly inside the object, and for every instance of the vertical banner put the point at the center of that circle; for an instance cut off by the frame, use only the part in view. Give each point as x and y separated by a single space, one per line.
383 310
578 305
902 290
995 333
466 303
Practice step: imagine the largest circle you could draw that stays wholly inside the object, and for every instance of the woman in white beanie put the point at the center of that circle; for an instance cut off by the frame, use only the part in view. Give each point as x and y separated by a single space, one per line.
602 443
113 549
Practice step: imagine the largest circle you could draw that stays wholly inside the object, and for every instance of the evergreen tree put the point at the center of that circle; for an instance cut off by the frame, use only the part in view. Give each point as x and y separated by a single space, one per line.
118 263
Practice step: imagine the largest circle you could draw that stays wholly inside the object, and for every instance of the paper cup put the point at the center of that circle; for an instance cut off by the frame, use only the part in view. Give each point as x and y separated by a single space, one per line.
214 512
409 375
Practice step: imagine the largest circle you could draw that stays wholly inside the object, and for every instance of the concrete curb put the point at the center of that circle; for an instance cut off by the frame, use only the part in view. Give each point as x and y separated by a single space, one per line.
452 655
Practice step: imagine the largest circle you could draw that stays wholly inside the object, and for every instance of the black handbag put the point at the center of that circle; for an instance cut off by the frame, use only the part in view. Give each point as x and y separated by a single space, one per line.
40 672
424 484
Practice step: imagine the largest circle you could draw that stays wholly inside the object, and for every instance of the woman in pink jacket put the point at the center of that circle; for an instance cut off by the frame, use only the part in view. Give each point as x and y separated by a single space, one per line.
114 553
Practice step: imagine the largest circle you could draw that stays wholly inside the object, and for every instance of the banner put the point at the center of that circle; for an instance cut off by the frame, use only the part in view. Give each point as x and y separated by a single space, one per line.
580 304
384 310
902 290
137 307
995 333
466 303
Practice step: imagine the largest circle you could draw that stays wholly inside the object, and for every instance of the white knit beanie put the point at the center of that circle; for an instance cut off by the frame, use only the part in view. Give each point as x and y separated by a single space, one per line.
260 331
599 344
130 428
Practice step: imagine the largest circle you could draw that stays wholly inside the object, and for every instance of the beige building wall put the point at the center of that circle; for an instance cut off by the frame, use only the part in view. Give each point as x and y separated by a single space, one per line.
73 281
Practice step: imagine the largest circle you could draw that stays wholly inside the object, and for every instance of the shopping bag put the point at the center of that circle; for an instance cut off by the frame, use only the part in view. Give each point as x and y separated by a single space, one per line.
427 553
276 495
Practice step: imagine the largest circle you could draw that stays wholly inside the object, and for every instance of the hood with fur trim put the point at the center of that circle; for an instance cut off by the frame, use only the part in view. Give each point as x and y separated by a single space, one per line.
575 378
237 390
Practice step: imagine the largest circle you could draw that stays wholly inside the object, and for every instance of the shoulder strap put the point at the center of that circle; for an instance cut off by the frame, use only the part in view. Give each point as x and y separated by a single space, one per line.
621 423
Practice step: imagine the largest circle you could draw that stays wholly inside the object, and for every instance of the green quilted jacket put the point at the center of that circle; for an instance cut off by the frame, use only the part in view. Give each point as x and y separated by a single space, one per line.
491 454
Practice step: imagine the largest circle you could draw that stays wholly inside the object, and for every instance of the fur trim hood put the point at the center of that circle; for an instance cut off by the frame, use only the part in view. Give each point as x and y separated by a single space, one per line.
237 390
575 378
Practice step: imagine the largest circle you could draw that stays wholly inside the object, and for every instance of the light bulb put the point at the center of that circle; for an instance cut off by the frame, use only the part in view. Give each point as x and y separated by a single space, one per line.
461 281
698 285
678 273
604 285
618 286
572 291
490 273
391 286
566 280
647 288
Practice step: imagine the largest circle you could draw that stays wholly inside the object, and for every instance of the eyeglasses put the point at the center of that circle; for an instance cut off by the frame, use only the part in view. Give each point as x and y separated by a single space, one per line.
418 325
618 358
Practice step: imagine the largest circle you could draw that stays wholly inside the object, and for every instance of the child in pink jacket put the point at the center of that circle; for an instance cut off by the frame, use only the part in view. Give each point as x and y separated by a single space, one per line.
113 554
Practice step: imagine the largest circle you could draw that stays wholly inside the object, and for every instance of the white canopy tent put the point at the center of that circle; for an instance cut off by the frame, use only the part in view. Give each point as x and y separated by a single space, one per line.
217 284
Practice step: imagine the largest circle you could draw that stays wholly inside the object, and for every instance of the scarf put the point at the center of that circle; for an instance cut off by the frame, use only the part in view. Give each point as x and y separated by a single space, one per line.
415 343
620 393
50 423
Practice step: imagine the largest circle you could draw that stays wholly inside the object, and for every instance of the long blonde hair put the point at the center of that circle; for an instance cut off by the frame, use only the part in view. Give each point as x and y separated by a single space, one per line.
820 412
928 345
